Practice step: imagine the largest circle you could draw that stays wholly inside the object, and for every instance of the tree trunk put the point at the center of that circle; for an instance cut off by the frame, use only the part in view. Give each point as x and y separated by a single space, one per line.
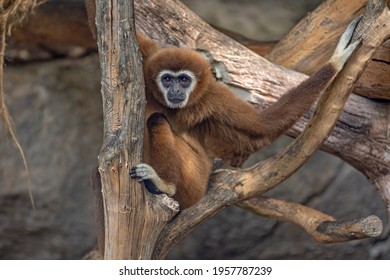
133 218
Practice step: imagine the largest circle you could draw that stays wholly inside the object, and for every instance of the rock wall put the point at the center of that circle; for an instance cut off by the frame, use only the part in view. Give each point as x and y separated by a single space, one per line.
57 111
56 107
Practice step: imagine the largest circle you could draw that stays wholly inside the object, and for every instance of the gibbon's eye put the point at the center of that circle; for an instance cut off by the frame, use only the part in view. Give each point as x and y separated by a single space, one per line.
185 80
166 80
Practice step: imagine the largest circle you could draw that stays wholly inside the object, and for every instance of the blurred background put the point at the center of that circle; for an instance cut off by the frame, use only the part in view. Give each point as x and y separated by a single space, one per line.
53 94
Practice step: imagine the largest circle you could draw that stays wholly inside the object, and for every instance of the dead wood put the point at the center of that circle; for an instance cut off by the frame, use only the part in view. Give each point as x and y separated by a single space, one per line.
322 227
234 186
133 217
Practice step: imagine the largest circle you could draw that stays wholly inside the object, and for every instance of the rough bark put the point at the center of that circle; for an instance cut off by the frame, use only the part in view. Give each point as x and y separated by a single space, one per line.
234 186
133 218
322 227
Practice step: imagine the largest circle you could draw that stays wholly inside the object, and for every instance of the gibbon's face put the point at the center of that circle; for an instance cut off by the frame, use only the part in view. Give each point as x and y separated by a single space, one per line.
176 87
177 77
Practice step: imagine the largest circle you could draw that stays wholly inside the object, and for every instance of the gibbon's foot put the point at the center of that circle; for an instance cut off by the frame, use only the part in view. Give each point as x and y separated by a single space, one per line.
344 49
145 173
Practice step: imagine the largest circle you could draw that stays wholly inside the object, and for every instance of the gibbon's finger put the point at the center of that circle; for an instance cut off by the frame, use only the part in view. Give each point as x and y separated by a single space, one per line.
133 172
347 35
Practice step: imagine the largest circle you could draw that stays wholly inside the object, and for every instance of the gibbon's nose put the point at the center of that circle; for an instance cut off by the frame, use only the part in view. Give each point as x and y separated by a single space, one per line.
176 94
176 88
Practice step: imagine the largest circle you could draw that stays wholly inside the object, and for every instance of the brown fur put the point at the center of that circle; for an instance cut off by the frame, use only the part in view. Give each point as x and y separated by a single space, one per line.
222 122
179 160
214 119
214 123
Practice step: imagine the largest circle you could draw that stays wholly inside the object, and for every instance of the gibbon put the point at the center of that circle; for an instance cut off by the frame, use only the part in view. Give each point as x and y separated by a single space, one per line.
180 85
174 162
192 118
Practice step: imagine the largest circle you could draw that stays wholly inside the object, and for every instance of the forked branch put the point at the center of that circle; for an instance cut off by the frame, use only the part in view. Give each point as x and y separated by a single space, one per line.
233 186
322 227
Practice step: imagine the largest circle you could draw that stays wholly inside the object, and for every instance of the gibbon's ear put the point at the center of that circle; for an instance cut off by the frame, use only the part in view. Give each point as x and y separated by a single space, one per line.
147 46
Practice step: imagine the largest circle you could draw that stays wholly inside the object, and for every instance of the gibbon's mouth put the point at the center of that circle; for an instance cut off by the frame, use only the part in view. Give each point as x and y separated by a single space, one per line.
176 100
177 103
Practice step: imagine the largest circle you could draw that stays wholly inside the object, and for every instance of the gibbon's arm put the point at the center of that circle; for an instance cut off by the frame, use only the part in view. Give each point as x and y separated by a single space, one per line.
269 123
164 177
293 104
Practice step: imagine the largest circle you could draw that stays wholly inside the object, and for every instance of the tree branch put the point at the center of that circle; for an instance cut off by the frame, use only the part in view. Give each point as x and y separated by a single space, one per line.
361 137
322 227
319 29
233 186
306 47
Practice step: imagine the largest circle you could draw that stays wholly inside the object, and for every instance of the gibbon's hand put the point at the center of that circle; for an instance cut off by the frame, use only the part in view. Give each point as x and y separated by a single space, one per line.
344 49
